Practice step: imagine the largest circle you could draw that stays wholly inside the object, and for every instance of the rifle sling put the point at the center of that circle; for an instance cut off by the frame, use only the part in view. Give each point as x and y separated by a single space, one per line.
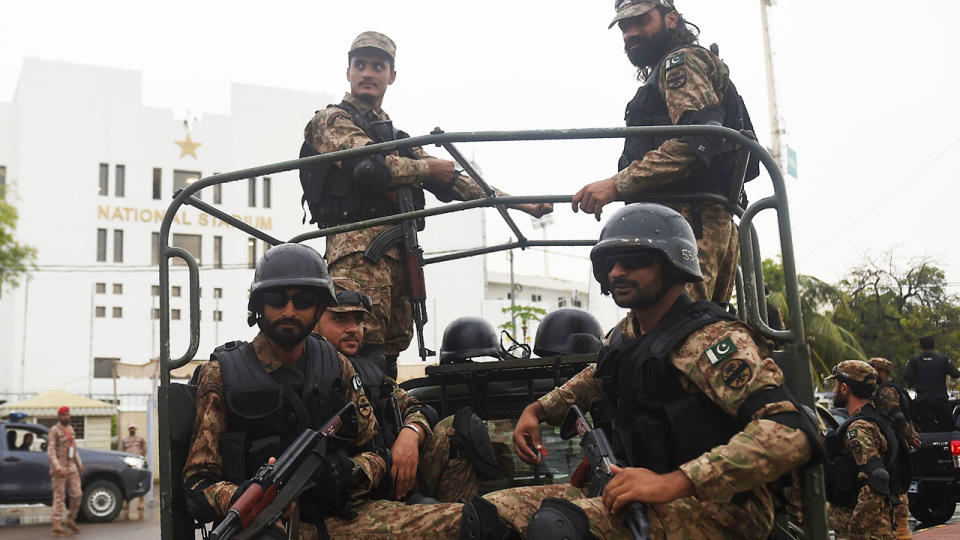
296 485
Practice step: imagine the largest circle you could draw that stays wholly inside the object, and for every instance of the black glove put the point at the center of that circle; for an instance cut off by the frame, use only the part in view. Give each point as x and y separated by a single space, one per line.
329 497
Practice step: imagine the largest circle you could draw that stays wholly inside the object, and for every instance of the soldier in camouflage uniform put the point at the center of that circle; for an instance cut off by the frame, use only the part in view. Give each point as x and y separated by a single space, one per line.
133 444
858 471
887 400
370 71
684 84
694 384
65 470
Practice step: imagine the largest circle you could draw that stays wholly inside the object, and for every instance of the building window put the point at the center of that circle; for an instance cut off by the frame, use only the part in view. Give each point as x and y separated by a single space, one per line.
189 242
536 298
175 291
118 313
104 179
118 288
101 288
266 192
101 245
100 312
218 315
119 180
218 194
117 246
218 252
252 192
217 292
155 313
577 303
3 180
252 252
182 179
78 423
561 302
175 314
156 183
103 367
154 290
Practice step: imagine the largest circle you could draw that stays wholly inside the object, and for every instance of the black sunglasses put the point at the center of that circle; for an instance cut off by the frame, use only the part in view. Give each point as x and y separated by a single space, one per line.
301 300
353 298
631 261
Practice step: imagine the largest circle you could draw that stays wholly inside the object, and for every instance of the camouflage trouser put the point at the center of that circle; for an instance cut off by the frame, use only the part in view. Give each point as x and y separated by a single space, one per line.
685 519
718 243
69 483
392 519
901 518
879 527
391 323
445 478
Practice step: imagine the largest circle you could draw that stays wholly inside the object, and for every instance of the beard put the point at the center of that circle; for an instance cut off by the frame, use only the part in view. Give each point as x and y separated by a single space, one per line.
637 300
839 400
285 338
646 52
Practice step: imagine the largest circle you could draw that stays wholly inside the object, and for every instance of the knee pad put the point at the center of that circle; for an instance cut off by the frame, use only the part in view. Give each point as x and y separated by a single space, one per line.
559 518
471 439
480 520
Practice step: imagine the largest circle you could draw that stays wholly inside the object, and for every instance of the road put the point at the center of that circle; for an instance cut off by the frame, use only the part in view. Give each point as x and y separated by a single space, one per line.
147 528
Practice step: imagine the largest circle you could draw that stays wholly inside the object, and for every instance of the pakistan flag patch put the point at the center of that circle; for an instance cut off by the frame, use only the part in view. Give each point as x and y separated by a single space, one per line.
720 351
675 60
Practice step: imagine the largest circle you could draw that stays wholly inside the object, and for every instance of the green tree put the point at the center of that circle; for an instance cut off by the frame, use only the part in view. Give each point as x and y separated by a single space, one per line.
525 314
16 259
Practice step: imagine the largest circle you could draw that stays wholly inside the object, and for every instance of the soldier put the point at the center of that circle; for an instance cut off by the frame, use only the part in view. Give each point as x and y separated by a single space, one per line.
334 196
65 470
134 444
864 459
927 372
699 415
684 84
422 463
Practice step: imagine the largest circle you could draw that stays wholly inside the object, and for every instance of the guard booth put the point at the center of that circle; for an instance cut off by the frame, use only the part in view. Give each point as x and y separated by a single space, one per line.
527 379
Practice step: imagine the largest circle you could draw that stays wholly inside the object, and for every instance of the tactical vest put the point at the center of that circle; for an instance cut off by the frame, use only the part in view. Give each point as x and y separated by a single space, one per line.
841 471
265 416
931 375
653 422
332 193
380 394
906 404
648 108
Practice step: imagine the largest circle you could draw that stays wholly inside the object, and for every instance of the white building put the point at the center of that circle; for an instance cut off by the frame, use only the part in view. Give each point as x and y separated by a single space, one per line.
91 171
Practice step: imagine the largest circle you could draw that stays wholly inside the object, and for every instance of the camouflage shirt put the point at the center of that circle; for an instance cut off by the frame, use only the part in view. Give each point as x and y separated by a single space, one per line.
134 444
409 407
62 448
762 452
689 87
211 422
871 519
887 400
332 129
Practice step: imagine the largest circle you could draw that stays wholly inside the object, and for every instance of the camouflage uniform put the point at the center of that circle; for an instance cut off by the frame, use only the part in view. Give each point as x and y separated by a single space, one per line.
391 322
871 518
763 451
134 444
62 450
693 85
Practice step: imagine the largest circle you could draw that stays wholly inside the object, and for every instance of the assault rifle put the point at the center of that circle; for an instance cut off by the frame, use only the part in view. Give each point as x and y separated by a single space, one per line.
278 484
599 454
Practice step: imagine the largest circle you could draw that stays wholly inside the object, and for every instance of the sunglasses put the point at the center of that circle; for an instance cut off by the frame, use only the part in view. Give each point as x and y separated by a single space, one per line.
631 261
353 298
301 300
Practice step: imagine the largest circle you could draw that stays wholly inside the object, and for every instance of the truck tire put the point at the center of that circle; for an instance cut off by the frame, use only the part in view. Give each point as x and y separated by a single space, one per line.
102 501
932 507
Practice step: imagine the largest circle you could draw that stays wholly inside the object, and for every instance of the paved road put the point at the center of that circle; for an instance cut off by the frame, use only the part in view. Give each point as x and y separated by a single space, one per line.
147 528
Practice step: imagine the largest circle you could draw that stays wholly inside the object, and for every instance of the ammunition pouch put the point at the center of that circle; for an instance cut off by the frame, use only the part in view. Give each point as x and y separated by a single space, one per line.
471 439
878 479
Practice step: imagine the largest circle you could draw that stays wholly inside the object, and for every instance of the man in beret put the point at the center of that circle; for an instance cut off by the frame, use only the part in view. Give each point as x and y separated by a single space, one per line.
65 470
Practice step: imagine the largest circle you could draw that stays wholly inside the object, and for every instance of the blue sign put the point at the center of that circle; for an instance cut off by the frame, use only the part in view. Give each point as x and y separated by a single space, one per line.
791 162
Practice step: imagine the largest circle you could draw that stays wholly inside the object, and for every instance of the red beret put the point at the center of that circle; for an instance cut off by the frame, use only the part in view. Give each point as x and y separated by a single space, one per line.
63 410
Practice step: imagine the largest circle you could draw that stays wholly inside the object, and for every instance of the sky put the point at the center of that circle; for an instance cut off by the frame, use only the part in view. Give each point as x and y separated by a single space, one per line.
864 87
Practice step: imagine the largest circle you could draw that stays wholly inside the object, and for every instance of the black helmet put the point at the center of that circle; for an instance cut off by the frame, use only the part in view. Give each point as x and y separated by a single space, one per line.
568 331
647 226
468 337
289 265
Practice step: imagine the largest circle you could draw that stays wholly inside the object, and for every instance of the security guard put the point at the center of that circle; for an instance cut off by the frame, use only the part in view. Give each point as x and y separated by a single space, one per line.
927 372
684 84
866 469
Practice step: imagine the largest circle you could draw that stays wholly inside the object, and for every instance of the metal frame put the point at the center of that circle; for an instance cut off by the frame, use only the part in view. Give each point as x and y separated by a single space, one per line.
749 287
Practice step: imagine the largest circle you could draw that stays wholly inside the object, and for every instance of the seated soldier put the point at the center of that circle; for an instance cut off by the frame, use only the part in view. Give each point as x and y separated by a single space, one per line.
417 442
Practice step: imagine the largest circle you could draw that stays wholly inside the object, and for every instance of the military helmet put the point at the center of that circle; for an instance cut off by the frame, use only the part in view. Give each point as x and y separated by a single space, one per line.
290 265
640 226
468 337
567 331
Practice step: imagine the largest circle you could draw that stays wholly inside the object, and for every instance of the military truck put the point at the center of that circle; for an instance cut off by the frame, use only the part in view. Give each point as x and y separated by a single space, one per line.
499 390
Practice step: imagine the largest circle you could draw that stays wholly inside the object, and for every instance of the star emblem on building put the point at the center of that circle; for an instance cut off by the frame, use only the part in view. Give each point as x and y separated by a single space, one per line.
188 147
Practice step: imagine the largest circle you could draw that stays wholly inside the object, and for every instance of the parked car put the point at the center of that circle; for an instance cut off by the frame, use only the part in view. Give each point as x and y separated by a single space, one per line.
935 487
109 478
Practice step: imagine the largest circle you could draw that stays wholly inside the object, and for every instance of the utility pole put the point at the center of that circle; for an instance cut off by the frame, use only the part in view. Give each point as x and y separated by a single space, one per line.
775 128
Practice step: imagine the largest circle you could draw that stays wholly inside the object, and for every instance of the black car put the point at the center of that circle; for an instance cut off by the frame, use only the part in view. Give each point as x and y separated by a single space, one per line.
108 479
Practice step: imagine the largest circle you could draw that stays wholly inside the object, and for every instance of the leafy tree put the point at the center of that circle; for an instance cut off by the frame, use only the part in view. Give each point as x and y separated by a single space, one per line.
525 314
16 259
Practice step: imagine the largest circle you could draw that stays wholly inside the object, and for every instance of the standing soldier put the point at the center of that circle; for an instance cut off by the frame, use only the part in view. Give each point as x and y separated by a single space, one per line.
699 415
334 196
864 459
65 470
684 84
134 444
927 372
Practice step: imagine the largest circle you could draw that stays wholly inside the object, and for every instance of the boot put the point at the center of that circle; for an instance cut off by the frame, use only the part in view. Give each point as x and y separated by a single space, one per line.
58 530
72 525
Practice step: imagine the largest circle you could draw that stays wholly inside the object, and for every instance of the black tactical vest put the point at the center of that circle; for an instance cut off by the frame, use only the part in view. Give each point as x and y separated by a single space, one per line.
380 394
841 471
648 108
931 372
265 416
652 420
332 193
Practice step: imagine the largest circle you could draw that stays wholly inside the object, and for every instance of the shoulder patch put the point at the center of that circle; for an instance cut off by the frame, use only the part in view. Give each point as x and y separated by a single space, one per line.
675 60
736 373
851 433
721 351
356 383
676 79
